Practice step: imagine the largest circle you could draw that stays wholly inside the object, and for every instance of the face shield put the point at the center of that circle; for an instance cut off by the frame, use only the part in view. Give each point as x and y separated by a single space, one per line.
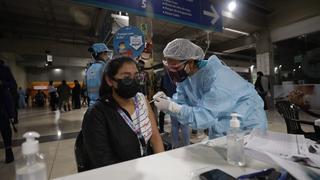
177 71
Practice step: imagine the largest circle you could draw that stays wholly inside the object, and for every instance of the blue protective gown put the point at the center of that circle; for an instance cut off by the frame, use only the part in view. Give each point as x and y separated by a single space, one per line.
209 96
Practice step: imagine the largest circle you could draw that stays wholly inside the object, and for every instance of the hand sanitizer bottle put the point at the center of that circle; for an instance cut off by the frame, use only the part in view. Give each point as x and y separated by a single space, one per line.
32 166
235 142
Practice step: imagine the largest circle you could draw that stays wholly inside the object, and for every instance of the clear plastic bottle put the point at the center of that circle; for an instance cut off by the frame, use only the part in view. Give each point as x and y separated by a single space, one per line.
235 143
32 166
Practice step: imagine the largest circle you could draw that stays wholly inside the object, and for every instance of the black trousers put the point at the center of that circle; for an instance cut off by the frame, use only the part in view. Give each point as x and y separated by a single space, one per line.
53 101
5 129
76 101
263 97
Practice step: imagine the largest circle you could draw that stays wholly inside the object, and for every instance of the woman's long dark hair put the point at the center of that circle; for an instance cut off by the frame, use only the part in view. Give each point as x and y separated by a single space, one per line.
110 70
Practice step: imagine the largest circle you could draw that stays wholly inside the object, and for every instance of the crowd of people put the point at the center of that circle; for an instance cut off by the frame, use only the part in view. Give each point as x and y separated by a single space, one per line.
60 97
65 98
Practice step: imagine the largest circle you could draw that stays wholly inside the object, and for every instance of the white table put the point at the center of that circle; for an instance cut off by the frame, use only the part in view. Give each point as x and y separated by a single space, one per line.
184 163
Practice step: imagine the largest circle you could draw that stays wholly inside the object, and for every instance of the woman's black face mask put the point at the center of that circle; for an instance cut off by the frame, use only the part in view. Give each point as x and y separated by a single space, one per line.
127 87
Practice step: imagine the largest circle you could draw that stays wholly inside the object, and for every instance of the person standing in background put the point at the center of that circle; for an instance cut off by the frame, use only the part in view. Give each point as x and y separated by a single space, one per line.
262 87
76 93
143 78
53 96
22 96
11 84
40 99
7 81
28 95
64 96
84 95
99 53
15 98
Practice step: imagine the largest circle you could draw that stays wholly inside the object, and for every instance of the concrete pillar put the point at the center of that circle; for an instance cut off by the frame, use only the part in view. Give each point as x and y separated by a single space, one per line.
264 53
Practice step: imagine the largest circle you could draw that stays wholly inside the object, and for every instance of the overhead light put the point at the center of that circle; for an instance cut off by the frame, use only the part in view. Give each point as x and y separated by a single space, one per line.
299 67
57 70
236 31
49 58
232 6
294 70
280 66
276 70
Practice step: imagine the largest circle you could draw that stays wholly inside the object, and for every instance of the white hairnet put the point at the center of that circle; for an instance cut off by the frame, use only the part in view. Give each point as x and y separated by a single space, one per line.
183 49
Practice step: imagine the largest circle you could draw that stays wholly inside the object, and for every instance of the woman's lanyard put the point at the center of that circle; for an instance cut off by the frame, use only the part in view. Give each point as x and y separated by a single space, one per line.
135 129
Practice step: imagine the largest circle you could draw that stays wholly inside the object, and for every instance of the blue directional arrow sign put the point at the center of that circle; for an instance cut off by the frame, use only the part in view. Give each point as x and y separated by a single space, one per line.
202 14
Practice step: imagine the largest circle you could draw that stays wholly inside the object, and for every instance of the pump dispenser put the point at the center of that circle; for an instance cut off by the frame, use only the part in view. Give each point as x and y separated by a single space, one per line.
32 166
235 142
234 122
30 146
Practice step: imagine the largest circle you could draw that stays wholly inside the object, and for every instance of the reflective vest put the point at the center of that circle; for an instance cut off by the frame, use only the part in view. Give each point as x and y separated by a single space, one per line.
93 80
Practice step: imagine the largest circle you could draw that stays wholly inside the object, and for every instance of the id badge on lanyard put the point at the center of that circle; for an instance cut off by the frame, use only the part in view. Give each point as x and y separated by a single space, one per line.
142 142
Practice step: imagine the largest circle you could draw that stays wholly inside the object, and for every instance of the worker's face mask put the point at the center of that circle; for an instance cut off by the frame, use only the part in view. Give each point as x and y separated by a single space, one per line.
127 87
177 72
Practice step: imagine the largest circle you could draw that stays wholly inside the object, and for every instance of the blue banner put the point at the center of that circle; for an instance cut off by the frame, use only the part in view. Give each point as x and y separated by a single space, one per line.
200 14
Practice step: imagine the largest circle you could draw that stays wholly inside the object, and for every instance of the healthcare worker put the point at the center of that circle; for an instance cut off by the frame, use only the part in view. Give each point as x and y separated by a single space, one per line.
208 92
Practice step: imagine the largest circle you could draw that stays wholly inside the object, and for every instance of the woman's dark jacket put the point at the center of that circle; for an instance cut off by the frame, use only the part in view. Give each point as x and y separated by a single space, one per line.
107 139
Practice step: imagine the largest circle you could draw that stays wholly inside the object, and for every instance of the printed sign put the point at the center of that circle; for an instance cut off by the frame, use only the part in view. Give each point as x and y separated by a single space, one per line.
129 41
201 14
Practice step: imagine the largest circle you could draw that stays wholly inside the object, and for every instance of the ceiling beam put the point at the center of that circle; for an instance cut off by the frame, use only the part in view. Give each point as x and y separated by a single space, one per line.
38 47
53 17
241 43
58 61
32 21
36 33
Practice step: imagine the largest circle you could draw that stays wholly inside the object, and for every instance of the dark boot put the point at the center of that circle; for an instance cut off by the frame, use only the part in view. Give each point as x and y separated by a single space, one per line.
9 155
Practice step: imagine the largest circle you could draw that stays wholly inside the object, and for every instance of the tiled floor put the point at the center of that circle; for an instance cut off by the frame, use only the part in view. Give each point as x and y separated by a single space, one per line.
59 151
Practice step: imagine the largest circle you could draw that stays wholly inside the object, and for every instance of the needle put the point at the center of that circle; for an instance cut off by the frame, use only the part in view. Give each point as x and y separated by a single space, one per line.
151 101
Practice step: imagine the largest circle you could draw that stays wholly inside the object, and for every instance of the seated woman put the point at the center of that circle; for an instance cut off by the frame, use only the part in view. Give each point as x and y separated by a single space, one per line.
121 124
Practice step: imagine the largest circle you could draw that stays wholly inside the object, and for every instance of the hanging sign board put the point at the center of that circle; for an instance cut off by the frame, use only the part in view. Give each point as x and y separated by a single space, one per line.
201 14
